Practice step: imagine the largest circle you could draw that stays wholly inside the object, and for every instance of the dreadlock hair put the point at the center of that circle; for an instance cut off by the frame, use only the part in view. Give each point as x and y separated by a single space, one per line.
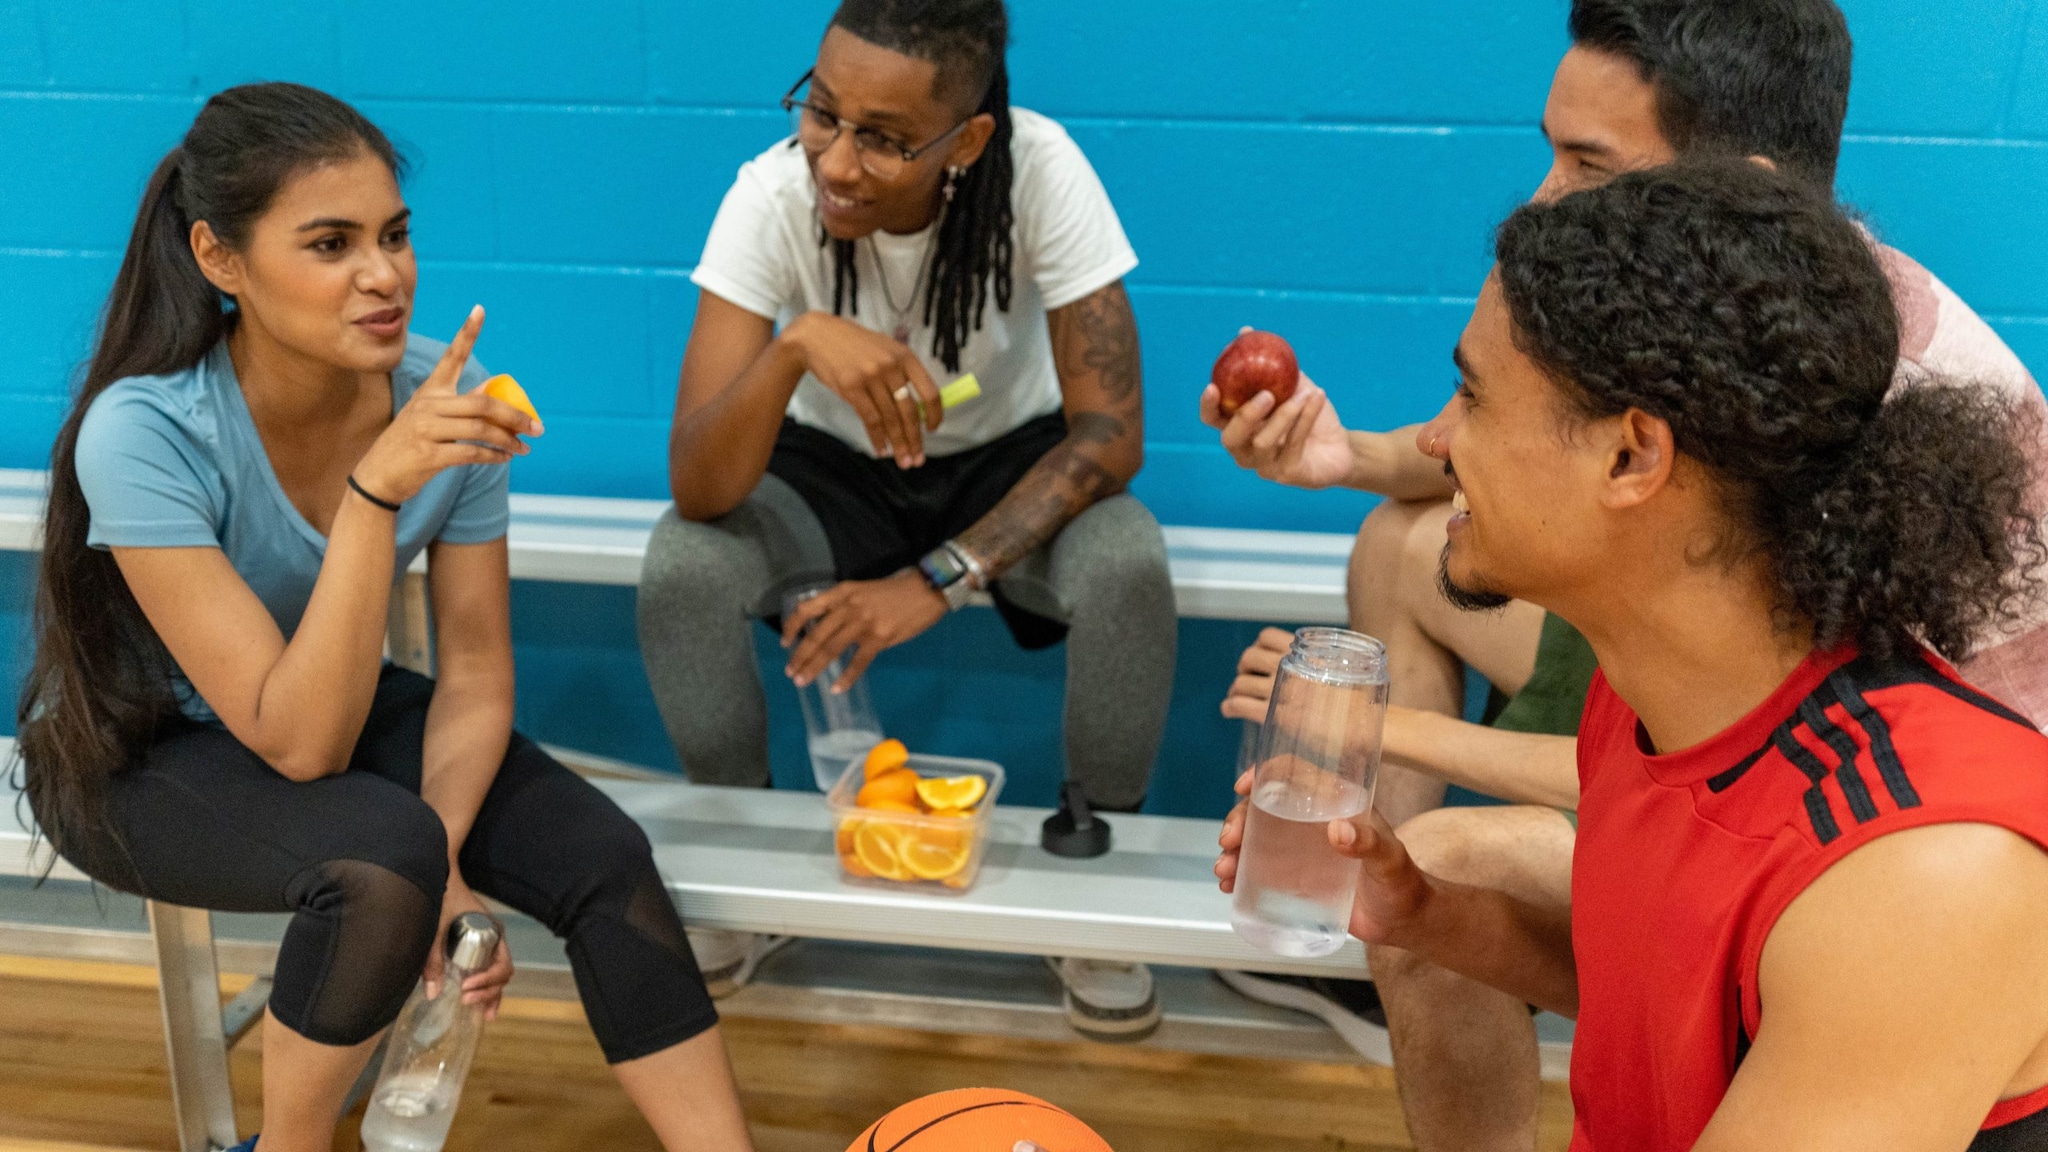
967 39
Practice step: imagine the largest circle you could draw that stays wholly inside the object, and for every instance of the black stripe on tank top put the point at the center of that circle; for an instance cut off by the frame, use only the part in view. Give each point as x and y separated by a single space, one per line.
1824 827
1726 780
1849 689
1844 748
1870 676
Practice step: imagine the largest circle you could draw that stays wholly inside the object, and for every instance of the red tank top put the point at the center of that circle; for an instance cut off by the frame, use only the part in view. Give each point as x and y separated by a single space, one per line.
1685 861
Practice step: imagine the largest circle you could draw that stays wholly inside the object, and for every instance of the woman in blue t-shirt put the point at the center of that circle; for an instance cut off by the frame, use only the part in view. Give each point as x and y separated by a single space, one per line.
259 450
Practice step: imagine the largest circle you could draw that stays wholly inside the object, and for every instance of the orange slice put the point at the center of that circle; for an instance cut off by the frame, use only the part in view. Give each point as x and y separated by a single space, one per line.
853 866
900 785
947 836
842 841
951 791
878 846
903 806
505 388
887 756
929 861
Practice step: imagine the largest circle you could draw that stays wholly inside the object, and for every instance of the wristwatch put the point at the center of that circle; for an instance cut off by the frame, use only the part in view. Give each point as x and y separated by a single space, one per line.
952 572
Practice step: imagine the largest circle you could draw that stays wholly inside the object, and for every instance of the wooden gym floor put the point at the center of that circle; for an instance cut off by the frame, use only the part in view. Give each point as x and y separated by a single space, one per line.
81 1070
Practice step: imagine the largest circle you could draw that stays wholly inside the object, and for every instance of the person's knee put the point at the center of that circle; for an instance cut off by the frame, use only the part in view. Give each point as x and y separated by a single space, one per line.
1444 843
687 562
364 927
411 842
1382 536
1395 969
1113 552
1422 548
620 855
1386 564
602 861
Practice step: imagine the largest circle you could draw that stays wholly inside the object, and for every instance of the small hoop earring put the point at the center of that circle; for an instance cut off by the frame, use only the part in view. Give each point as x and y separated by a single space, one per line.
952 177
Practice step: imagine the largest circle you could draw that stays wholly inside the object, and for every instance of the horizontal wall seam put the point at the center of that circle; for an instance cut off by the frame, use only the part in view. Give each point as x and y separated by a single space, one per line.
1139 287
1391 126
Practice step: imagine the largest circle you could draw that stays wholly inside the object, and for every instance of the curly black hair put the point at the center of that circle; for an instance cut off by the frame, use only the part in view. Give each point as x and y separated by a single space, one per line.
1753 317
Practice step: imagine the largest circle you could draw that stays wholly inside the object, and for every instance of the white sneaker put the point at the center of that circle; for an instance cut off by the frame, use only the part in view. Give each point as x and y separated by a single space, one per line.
1107 1000
1350 1007
728 959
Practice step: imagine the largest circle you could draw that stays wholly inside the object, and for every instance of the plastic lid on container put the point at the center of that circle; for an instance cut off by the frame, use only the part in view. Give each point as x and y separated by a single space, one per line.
1074 831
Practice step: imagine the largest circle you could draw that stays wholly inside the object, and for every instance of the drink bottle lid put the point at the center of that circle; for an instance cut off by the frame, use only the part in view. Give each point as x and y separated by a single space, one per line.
1074 830
472 939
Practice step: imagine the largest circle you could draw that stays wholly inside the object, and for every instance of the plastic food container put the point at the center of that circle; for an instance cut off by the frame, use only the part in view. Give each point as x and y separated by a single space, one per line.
911 851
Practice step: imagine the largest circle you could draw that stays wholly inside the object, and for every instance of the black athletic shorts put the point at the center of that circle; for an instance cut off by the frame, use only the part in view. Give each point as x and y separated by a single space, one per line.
880 519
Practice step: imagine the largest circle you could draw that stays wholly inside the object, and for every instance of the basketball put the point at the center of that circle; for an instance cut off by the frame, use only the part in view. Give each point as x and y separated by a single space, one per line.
978 1120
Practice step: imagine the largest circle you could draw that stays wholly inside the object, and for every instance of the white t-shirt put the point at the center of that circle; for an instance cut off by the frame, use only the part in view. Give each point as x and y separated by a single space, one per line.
763 255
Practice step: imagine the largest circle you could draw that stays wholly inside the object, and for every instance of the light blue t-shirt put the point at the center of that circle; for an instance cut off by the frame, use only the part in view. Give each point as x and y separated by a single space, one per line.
175 462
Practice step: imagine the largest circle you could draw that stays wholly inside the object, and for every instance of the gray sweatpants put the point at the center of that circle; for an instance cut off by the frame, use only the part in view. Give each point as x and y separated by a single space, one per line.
1104 576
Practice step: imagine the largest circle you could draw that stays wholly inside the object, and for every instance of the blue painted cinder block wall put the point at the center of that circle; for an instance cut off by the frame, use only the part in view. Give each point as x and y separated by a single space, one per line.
1327 168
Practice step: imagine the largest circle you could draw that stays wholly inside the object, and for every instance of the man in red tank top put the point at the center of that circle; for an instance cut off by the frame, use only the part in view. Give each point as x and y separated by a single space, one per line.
1810 894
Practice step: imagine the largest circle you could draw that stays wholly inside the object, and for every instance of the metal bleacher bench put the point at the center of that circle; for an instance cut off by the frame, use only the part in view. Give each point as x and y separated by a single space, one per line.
763 861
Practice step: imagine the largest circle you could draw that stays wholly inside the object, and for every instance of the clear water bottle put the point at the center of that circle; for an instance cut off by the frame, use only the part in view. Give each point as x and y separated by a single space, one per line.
1247 748
430 1049
1316 759
840 727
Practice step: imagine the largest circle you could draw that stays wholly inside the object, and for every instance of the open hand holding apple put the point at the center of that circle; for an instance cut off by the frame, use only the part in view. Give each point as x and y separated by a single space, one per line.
1255 362
1287 434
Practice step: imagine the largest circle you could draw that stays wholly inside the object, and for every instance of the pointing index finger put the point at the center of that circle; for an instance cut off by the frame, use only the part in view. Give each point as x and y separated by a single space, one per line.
449 370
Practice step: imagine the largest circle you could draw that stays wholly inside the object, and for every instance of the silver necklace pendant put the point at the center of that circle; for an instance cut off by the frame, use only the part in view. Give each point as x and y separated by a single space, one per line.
917 287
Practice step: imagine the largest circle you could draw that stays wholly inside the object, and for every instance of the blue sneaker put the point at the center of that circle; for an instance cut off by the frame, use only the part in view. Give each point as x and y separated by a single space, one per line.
248 1145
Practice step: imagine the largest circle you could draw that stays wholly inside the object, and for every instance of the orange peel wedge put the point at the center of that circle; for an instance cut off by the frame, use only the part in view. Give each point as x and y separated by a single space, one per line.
951 792
505 388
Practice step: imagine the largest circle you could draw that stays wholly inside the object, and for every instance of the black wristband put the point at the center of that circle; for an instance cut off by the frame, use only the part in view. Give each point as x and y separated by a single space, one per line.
386 505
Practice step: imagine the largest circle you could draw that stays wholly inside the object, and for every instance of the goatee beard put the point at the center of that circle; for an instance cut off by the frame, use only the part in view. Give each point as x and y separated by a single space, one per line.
1466 599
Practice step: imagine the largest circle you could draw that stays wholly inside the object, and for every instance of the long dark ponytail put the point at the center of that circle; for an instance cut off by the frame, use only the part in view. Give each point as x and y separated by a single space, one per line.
1753 316
97 689
969 41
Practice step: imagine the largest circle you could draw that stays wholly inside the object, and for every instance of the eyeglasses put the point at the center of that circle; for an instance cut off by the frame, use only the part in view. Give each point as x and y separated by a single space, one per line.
881 155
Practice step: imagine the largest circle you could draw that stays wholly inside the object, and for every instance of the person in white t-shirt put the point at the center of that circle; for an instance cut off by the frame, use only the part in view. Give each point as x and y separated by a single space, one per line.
913 229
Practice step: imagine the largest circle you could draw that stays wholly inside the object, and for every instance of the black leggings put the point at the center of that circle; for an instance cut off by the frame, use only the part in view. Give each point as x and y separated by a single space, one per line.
361 862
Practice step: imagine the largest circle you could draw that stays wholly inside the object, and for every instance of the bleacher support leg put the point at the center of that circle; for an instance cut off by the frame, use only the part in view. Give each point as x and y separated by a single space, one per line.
188 984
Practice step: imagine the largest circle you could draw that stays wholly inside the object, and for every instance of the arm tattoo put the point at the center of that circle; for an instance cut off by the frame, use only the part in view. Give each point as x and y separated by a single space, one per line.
1095 344
1107 335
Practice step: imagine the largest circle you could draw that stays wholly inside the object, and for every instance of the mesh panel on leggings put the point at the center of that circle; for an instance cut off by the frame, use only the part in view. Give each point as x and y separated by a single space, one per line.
651 914
647 993
353 952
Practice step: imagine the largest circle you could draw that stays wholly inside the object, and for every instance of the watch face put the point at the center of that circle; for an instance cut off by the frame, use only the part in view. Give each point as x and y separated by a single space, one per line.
940 570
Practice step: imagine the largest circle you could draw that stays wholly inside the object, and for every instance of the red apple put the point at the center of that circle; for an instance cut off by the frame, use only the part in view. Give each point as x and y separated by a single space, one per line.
1254 362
